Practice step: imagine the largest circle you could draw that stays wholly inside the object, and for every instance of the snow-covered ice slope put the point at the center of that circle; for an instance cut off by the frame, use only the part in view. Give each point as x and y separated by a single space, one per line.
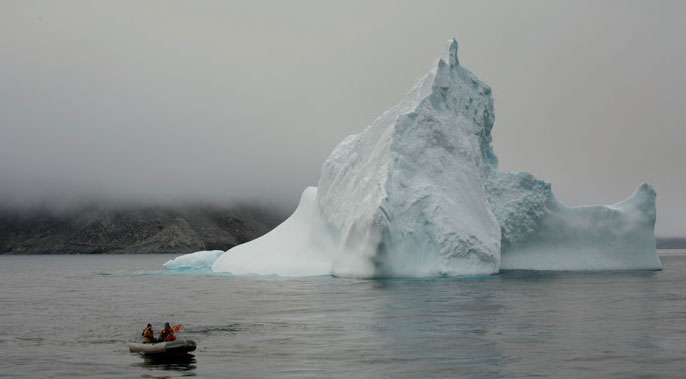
418 193
297 247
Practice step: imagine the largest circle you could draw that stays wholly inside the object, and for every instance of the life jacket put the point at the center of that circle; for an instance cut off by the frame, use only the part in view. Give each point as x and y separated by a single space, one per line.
147 332
167 335
148 335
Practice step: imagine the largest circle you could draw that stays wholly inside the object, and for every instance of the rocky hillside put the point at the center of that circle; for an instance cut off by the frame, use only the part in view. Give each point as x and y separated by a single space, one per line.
96 230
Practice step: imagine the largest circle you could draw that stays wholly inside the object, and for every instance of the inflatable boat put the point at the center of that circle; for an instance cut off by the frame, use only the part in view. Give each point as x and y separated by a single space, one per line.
173 348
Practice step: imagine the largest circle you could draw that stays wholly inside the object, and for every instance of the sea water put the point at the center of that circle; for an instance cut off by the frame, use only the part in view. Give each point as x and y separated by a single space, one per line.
72 315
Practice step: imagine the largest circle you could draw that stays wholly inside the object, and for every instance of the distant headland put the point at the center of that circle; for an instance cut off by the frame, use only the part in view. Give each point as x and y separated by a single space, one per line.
133 229
671 242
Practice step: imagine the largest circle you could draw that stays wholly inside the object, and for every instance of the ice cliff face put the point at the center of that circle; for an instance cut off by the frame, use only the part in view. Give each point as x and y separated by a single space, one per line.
418 193
406 196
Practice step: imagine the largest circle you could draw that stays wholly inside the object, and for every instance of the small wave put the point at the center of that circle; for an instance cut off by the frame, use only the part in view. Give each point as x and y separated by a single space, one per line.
193 272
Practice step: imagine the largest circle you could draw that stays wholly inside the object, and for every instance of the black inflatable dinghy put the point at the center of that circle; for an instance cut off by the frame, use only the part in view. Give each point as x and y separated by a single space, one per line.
173 348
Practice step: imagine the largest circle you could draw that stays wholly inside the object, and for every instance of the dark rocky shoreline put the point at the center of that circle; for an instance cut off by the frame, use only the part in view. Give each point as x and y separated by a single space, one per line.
671 243
122 230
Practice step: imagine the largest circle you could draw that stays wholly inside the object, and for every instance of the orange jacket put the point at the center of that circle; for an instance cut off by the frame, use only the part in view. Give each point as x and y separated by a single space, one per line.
167 334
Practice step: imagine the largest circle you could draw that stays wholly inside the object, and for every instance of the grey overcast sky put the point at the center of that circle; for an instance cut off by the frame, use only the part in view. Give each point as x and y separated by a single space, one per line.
222 100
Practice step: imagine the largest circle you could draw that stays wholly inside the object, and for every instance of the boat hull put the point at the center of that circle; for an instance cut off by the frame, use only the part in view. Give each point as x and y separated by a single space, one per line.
173 348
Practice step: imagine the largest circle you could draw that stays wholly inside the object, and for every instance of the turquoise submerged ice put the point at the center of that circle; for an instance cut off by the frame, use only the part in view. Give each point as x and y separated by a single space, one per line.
418 193
200 260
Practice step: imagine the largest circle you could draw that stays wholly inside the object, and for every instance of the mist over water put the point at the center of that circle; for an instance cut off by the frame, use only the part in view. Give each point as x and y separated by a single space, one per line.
71 316
168 102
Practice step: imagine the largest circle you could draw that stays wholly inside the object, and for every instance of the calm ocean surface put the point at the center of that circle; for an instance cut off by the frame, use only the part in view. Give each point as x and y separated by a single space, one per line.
71 316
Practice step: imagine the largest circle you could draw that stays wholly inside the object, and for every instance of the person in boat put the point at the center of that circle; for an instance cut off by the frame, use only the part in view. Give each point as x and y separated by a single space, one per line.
167 334
148 334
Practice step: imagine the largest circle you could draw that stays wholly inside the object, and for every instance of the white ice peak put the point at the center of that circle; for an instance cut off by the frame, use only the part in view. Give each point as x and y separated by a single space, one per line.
452 52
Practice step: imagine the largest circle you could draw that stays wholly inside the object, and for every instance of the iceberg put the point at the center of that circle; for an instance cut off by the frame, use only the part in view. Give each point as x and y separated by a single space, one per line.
418 193
200 260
